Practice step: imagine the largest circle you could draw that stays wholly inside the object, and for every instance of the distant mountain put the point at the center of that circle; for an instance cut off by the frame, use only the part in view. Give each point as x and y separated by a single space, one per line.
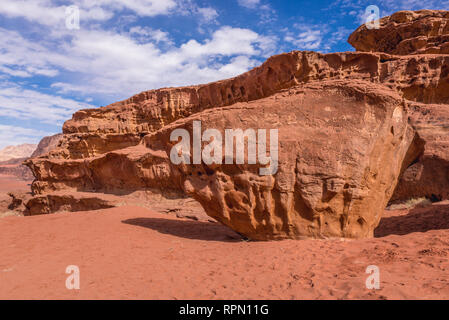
14 152
12 157
46 145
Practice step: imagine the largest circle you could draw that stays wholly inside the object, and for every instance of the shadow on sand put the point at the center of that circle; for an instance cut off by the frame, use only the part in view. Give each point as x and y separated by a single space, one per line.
195 230
435 217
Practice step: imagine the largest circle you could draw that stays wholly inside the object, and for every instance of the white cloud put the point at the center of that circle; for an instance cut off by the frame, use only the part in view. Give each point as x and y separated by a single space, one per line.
207 14
108 64
46 12
21 103
226 41
251 4
15 135
340 35
309 37
144 34
24 58
144 8
238 65
40 11
118 64
387 7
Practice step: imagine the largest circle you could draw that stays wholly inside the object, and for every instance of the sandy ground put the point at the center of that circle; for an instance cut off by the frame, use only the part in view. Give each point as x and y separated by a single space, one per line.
10 183
131 252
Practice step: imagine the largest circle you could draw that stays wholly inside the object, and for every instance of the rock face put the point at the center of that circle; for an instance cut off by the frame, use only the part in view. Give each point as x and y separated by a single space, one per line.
342 145
349 125
46 145
428 177
405 33
423 38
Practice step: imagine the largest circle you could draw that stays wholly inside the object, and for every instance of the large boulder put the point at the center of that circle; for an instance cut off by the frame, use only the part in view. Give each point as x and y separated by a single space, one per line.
342 146
100 149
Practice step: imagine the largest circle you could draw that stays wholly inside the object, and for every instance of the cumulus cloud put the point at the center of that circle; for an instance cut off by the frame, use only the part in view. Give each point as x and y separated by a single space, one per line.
109 63
140 7
113 63
45 12
24 58
226 41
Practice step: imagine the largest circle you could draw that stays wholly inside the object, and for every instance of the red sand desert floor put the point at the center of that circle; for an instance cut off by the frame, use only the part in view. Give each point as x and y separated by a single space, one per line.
10 183
131 252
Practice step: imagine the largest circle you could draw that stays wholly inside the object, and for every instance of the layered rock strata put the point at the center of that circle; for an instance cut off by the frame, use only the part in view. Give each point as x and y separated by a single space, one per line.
123 148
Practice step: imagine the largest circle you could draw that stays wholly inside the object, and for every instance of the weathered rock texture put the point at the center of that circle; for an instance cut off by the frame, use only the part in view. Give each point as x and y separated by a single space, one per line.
423 38
344 140
405 33
342 147
429 176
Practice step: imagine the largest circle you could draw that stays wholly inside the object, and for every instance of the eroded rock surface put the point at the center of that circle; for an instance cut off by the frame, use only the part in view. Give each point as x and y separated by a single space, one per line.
342 145
422 37
319 190
429 176
405 33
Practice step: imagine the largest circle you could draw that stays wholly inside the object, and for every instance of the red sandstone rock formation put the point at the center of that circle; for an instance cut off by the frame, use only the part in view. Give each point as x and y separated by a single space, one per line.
423 38
341 166
405 33
342 146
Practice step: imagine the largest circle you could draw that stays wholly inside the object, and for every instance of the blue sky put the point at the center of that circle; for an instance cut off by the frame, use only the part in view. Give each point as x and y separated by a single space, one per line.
48 71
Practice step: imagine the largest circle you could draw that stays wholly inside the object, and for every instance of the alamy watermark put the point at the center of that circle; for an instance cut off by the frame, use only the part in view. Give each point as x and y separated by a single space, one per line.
73 280
72 17
256 141
372 16
373 280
